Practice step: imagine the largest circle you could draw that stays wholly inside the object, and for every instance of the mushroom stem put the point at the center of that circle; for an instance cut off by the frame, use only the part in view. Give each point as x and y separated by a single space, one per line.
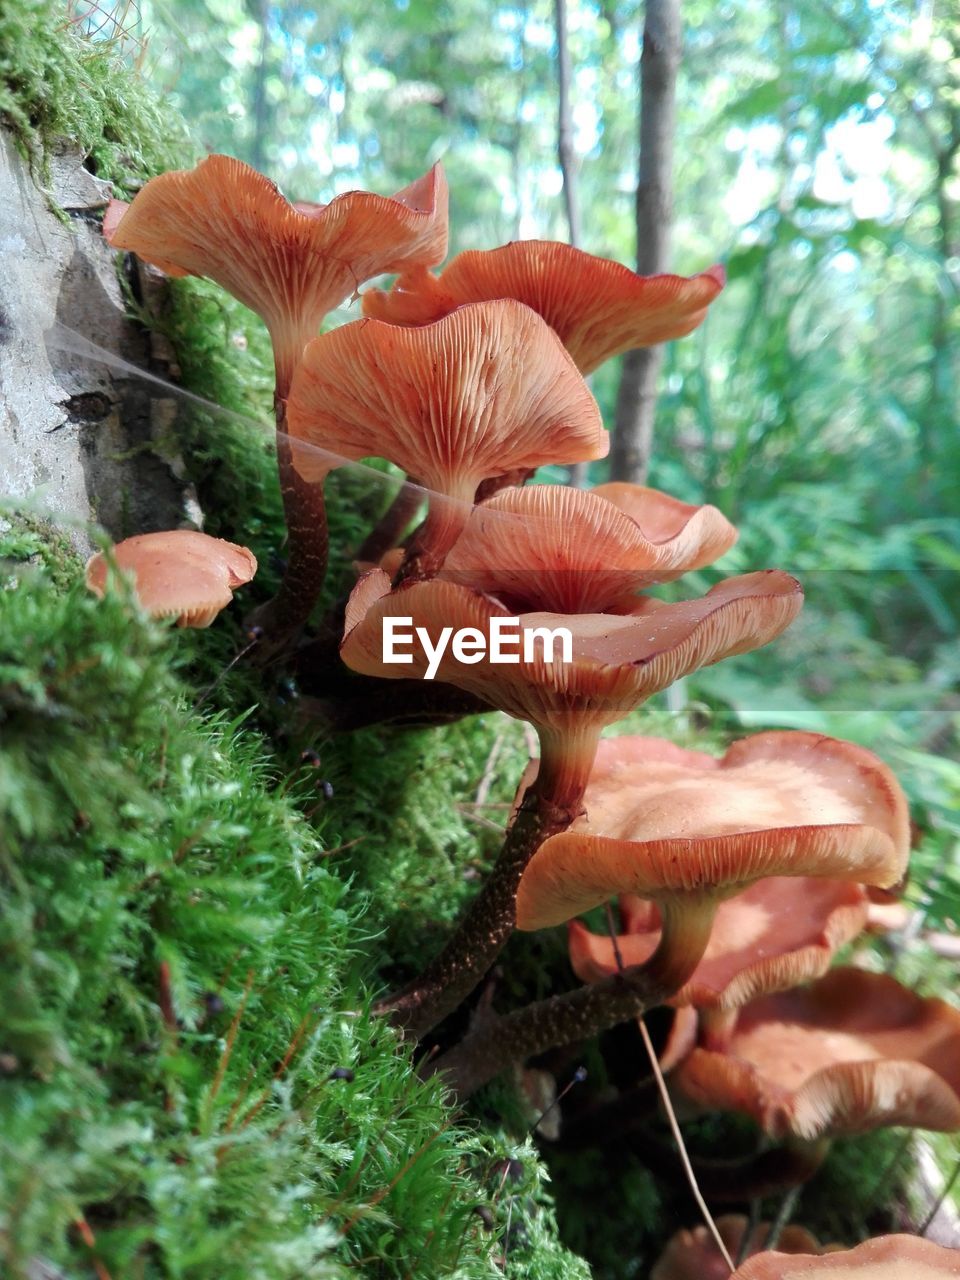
446 516
305 514
765 1173
549 806
493 1044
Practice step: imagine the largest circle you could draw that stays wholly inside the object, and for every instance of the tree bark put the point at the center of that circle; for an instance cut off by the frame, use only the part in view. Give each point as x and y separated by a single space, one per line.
637 394
566 158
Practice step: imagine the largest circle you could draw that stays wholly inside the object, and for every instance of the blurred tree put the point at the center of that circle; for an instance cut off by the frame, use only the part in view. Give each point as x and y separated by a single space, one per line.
637 394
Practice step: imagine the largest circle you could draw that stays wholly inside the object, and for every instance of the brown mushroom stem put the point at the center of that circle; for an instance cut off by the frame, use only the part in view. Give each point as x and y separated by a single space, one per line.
362 702
305 513
754 1176
495 1043
549 806
446 517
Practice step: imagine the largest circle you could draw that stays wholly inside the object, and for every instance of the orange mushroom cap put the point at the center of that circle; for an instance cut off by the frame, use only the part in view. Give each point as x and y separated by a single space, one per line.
617 661
665 823
885 1258
291 263
477 394
780 931
851 1052
178 573
597 307
693 1254
552 548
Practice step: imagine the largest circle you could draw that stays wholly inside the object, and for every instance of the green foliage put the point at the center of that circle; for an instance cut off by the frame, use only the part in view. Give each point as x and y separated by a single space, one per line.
181 976
56 84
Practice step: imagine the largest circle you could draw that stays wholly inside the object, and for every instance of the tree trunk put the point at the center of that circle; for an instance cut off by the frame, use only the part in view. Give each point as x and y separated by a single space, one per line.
259 113
637 395
566 157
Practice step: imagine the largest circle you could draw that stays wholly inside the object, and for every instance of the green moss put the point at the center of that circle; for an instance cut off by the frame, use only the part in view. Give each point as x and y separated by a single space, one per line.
54 84
180 978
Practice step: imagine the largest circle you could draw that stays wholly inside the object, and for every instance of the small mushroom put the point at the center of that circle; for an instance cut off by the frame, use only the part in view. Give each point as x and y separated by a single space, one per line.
693 1254
851 1052
597 308
689 831
179 573
481 392
556 549
779 932
885 1258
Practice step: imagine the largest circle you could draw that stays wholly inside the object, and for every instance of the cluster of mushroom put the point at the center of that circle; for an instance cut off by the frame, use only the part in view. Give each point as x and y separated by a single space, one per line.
693 1255
737 878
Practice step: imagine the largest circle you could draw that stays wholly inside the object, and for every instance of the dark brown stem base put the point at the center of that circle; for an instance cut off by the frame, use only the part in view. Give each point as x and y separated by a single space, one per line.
283 618
766 1173
560 1020
495 1043
483 932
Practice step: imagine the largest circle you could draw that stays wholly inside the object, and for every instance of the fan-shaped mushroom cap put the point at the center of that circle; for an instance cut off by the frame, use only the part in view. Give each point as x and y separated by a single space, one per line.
851 1052
291 263
661 821
552 548
597 307
178 573
886 1258
693 1255
702 531
617 662
475 395
781 931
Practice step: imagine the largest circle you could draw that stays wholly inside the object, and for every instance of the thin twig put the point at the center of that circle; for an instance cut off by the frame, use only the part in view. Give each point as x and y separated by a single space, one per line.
681 1146
671 1114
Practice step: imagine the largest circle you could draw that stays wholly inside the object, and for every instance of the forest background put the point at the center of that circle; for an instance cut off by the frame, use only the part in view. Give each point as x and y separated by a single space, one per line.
816 156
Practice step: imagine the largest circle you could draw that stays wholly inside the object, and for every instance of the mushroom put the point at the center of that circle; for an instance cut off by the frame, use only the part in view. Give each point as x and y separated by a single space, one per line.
598 308
290 263
477 394
885 1258
780 931
552 548
179 573
851 1052
616 663
693 1254
688 831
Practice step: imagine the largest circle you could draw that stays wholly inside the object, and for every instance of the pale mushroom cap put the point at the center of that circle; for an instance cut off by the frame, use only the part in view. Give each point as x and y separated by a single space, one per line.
289 263
693 1255
780 931
563 550
597 307
178 573
618 662
660 821
851 1052
886 1258
477 394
